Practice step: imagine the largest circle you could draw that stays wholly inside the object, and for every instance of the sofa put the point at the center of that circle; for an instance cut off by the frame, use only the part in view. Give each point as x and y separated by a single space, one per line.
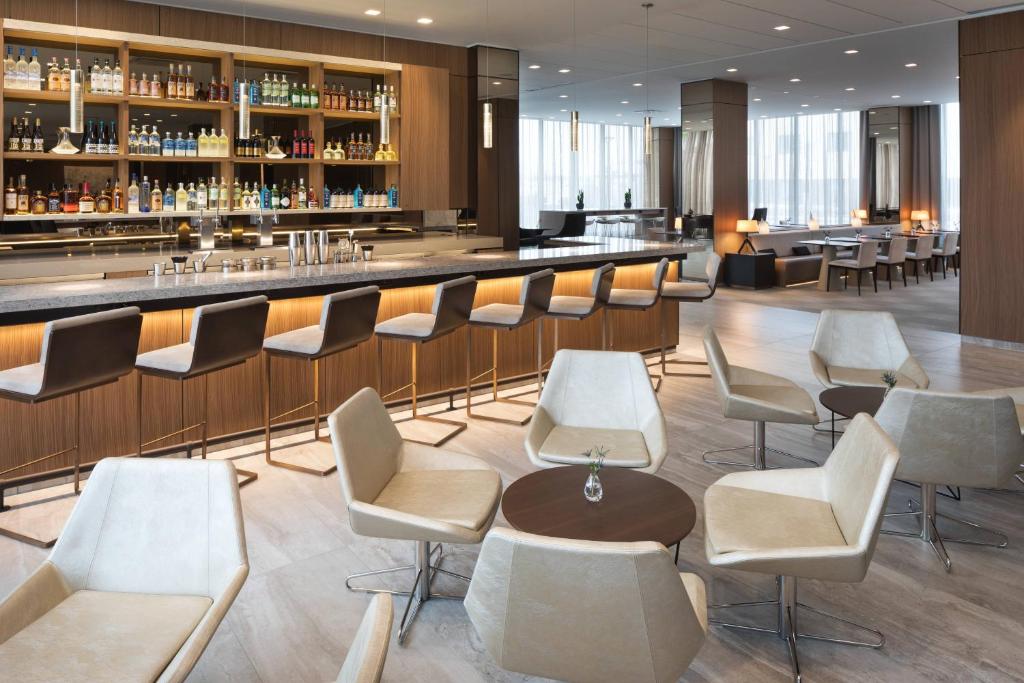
791 268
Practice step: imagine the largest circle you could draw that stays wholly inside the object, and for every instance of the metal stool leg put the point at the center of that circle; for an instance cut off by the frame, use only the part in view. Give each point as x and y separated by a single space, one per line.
413 386
759 461
318 471
671 361
493 372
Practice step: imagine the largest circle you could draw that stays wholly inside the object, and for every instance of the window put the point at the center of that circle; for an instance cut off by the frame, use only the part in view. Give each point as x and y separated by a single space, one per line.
805 165
610 161
949 176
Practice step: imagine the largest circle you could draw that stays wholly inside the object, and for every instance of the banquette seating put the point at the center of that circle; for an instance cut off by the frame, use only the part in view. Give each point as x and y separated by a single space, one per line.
792 267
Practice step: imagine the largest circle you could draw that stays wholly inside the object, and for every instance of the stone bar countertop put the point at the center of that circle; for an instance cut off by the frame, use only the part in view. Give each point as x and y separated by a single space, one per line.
47 301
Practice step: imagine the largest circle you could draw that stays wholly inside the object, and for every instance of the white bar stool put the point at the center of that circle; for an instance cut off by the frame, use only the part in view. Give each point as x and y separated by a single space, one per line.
109 341
564 307
692 292
534 298
222 335
346 320
453 303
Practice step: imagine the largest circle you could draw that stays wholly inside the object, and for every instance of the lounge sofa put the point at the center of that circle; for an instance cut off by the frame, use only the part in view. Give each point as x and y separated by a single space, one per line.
793 268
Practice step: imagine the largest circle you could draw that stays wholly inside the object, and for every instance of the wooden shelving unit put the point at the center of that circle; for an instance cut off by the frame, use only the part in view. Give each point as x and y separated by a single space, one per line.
225 61
65 218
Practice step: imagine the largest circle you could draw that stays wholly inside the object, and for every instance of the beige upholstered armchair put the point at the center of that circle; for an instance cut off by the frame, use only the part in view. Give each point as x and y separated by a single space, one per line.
598 398
948 439
408 491
364 662
145 570
585 611
854 348
814 523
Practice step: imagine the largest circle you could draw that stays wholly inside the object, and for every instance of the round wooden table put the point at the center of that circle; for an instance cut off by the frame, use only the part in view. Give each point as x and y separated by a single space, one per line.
636 506
848 401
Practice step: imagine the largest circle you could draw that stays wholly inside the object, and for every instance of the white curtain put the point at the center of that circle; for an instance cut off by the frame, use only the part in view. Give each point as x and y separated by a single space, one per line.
610 162
696 167
804 165
949 177
887 174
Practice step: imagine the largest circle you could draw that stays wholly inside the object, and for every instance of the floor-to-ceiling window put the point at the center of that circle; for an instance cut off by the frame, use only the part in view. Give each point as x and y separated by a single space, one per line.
609 162
949 212
801 166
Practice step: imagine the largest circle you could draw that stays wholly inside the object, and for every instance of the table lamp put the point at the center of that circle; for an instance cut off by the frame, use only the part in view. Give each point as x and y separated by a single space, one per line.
919 216
679 224
857 217
745 227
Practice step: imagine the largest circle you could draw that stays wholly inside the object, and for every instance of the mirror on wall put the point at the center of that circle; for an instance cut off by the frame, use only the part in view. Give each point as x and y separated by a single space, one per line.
696 143
883 150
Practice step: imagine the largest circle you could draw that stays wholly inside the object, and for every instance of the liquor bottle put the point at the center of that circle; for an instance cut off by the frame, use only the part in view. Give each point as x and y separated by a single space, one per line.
53 76
191 199
265 197
21 75
113 144
23 197
182 84
275 197
14 137
86 202
357 197
304 100
133 195
213 194
311 200
53 200
35 72
168 198
10 195
314 97
393 197
118 197
380 154
236 195
65 76
172 83
69 199
343 103
225 89
246 197
144 85
202 197
190 84
222 144
133 85
156 85
26 135
9 71
94 75
180 146
168 146
285 96
106 78
269 89
191 145
377 99
144 194
203 143
181 198
133 141
223 200
117 82
104 202
156 197
302 195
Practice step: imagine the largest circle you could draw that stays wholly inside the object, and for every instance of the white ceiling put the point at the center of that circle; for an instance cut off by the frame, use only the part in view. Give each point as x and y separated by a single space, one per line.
689 40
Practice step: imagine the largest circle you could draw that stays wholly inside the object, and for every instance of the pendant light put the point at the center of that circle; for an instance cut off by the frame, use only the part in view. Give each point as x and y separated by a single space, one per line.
574 117
244 95
385 101
488 112
77 94
648 131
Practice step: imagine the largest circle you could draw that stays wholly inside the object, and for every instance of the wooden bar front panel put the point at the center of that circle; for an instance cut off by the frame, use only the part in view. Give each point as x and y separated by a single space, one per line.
110 414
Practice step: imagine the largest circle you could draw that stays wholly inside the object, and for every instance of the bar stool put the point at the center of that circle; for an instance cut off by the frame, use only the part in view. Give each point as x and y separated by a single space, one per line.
606 222
222 335
582 307
108 340
691 292
346 320
637 300
453 303
534 298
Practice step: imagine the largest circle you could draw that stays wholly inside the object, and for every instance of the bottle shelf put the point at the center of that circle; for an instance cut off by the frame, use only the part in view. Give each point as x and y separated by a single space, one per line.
58 96
49 156
340 114
172 160
80 217
163 103
358 162
279 111
265 160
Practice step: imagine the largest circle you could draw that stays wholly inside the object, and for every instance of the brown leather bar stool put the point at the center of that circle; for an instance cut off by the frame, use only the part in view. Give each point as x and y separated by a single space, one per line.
346 320
638 300
687 291
453 303
582 307
223 335
78 354
534 298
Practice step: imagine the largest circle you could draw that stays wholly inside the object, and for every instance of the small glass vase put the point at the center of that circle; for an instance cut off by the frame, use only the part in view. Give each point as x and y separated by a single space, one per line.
64 145
593 491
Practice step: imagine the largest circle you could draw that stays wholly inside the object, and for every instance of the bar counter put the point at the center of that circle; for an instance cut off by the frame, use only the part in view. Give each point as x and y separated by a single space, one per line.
110 413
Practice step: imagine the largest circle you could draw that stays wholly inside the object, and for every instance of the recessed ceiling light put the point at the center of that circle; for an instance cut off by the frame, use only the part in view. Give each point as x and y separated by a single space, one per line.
837 109
665 119
174 116
618 114
876 132
794 80
533 66
145 113
624 102
757 99
785 92
637 85
372 12
31 104
927 101
851 52
563 110
799 113
894 127
495 82
764 116
805 105
782 27
895 97
850 89
872 113
910 65
563 97
732 69
424 21
564 71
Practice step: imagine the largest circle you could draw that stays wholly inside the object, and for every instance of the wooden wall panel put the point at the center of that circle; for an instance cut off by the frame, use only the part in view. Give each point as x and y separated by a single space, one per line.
113 15
666 177
991 175
425 152
220 28
461 133
110 413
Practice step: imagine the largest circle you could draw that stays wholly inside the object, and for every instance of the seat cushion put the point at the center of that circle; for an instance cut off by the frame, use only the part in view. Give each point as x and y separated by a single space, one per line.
686 290
568 446
305 341
465 498
856 377
175 359
408 326
844 263
632 298
741 519
496 315
24 379
571 306
99 636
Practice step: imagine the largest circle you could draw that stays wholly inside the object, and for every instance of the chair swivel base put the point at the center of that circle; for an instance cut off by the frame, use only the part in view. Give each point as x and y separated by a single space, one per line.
787 623
929 531
760 452
421 589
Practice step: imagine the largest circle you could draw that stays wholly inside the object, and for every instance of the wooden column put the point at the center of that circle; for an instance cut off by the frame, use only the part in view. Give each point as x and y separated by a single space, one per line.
665 140
991 175
724 103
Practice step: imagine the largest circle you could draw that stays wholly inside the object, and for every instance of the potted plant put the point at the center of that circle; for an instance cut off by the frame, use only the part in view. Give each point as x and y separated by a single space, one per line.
628 203
579 200
593 491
